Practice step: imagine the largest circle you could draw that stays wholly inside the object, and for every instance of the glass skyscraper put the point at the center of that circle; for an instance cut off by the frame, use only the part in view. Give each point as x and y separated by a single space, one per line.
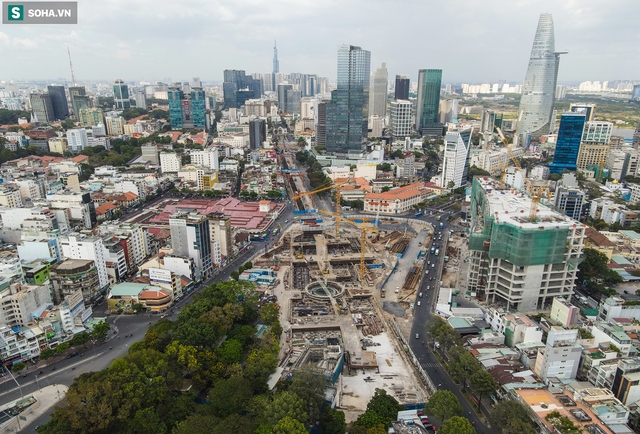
59 101
429 83
568 143
121 95
347 112
539 89
186 111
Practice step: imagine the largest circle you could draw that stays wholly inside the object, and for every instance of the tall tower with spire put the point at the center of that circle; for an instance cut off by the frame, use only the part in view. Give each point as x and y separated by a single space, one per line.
276 66
539 90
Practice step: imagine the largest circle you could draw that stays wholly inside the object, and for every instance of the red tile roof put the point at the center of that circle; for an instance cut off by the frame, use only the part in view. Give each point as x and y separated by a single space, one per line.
130 196
160 233
405 192
105 208
80 158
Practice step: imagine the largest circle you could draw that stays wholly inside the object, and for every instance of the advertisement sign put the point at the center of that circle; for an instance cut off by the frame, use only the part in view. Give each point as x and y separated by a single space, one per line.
157 275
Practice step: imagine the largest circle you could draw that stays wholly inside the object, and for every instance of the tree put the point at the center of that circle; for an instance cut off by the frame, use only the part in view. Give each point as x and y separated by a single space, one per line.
234 275
506 411
100 330
309 386
462 365
385 189
555 177
385 167
397 154
357 204
451 184
370 419
386 406
80 339
594 268
288 425
518 426
483 383
63 347
476 171
443 405
230 352
229 396
17 367
47 354
284 404
137 307
457 425
248 265
333 422
147 421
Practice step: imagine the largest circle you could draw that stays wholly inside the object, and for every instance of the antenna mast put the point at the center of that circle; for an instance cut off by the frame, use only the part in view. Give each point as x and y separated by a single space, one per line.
73 77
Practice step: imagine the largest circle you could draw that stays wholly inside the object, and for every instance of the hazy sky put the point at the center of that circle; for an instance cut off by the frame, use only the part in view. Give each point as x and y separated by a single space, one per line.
471 40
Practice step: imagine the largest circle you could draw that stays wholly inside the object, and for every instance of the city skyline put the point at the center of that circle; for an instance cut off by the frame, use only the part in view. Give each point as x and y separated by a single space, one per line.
242 37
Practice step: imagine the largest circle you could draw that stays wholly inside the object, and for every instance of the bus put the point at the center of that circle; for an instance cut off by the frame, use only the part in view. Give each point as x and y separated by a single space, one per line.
437 252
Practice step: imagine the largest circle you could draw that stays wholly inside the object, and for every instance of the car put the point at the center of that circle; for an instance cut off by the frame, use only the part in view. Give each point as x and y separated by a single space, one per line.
417 336
625 291
420 413
425 420
75 353
428 262
437 344
420 295
419 303
433 265
286 221
430 278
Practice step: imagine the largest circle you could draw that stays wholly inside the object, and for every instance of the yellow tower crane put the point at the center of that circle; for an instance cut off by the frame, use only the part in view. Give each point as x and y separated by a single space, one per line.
363 238
535 191
329 187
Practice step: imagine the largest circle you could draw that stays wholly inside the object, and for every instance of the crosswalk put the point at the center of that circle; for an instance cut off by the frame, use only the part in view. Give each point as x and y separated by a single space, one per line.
430 365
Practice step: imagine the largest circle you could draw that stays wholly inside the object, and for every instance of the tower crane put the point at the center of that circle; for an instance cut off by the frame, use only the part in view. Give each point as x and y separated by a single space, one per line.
337 186
534 191
363 238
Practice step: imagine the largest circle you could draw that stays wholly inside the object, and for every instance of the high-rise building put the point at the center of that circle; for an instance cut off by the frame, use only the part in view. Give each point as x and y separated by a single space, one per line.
514 262
276 66
150 153
115 125
141 101
378 92
283 89
321 123
635 93
239 87
401 120
59 100
636 137
456 158
589 110
121 95
170 162
79 99
42 107
293 101
89 117
402 87
568 142
257 133
77 139
347 112
190 238
75 246
427 119
538 92
186 110
569 197
206 158
597 132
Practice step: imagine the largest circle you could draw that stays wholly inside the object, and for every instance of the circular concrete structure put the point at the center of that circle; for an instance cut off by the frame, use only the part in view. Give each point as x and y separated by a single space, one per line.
324 290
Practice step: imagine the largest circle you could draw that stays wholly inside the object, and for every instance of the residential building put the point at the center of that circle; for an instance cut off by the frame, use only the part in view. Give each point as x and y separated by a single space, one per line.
190 237
395 201
30 189
560 358
10 197
58 145
77 246
378 93
133 238
170 162
186 109
257 133
538 93
427 119
73 275
19 302
150 154
136 186
221 239
402 87
141 100
613 336
618 164
592 155
347 112
626 382
610 411
79 99
616 307
515 262
58 97
89 117
401 118
115 258
321 123
121 95
517 329
42 107
39 246
597 132
115 125
563 312
568 143
569 197
77 139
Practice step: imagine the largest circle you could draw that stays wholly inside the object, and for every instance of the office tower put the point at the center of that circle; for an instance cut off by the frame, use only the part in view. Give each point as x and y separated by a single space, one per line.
257 133
589 110
141 100
635 93
79 99
538 92
42 107
276 66
456 158
569 197
238 88
121 95
59 100
561 91
402 87
186 110
293 101
282 97
170 162
378 93
89 117
190 238
429 82
516 263
489 121
115 125
347 112
321 124
568 142
597 132
77 139
150 153
309 85
195 82
401 120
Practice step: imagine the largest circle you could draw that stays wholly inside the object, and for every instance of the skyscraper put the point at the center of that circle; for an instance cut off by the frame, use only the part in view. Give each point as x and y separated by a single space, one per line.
276 66
121 95
42 107
429 83
283 90
568 143
59 101
378 94
539 89
400 120
190 238
257 133
186 111
141 101
347 112
79 99
239 87
402 87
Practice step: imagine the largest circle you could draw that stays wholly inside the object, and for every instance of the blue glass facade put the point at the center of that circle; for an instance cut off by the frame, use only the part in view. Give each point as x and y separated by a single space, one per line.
347 113
429 83
187 112
175 96
568 143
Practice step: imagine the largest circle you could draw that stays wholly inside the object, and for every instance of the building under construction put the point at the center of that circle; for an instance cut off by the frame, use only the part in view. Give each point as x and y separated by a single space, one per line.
515 261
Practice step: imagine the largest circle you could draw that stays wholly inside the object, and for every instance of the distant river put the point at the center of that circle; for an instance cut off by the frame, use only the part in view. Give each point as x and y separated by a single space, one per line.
627 133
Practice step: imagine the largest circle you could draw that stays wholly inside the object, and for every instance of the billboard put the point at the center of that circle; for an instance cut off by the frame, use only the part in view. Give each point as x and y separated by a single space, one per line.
157 275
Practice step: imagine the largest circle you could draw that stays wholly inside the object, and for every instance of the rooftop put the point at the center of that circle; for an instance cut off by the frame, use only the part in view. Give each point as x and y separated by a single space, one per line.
631 234
128 289
399 193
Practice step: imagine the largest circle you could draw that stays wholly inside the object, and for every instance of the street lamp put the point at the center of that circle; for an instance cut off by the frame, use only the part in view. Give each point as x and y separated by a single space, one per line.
16 381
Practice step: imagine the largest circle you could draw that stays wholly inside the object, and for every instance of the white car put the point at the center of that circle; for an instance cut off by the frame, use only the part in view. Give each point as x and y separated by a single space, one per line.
420 295
433 265
417 336
418 303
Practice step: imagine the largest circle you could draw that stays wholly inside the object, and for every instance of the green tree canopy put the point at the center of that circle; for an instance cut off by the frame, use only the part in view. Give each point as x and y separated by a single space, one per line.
457 425
507 411
483 383
443 405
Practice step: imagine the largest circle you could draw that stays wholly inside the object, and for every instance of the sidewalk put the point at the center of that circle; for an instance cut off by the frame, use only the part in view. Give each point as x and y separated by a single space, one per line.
45 399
